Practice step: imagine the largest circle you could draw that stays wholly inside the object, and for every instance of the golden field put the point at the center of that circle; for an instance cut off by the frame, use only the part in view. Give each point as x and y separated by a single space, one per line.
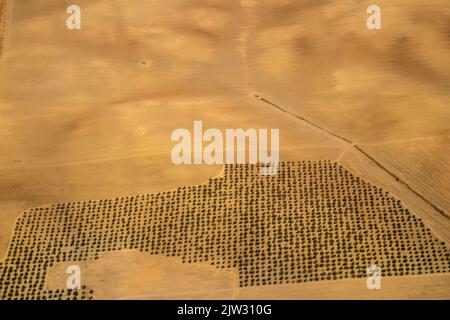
87 114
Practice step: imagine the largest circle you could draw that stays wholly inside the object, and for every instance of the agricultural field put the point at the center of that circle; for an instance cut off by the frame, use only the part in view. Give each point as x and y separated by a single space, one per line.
87 177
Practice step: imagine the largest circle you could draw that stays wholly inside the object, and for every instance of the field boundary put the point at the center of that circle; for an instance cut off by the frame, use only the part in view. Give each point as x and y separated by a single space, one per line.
359 150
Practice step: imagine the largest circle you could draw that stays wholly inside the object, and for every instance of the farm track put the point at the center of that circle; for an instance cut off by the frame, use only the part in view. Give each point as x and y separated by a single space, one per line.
360 150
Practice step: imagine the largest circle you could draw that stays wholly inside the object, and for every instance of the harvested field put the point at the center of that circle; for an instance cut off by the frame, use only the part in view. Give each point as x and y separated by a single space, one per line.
366 86
88 114
410 160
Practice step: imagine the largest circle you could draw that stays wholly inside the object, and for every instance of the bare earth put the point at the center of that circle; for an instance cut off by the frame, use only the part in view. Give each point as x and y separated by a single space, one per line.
88 114
2 24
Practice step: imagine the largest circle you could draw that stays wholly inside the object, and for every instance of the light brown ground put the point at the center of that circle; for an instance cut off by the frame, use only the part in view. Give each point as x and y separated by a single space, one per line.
409 160
317 58
153 277
134 275
88 114
2 23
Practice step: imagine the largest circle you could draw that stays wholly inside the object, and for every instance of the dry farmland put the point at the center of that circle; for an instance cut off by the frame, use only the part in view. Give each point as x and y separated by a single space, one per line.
86 176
